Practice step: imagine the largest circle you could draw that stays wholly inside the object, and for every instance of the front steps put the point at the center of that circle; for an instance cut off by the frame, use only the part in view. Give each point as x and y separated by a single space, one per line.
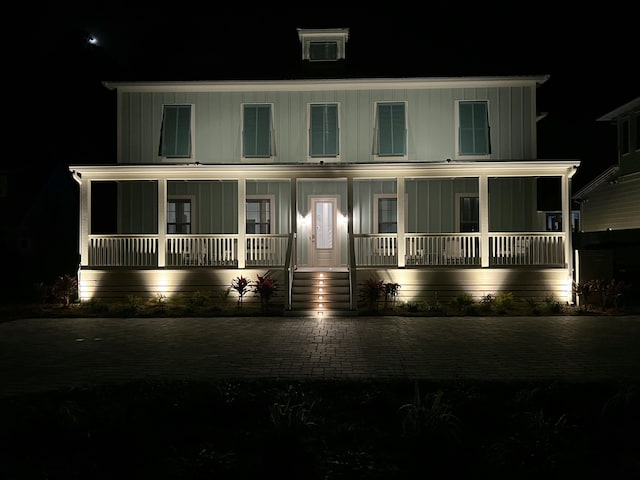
320 293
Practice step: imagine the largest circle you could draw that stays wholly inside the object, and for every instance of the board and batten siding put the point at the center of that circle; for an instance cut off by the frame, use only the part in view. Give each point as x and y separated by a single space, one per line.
430 123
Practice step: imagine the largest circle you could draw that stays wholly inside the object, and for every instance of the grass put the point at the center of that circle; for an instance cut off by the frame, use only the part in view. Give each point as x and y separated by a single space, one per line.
323 430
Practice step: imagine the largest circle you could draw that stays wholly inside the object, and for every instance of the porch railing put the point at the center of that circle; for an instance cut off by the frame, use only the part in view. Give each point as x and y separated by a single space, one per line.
443 249
186 250
202 250
547 249
527 249
123 250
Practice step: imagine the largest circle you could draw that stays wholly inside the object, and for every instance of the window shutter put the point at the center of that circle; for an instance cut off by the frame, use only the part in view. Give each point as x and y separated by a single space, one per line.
474 128
391 129
323 131
176 131
257 131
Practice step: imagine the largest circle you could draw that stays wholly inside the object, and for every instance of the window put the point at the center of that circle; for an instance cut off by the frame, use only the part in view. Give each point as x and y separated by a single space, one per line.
323 130
323 44
625 142
257 131
258 215
469 214
323 51
473 128
391 129
386 214
175 135
179 216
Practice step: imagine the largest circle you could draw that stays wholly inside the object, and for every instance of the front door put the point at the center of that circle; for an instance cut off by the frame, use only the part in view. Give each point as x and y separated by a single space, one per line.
324 247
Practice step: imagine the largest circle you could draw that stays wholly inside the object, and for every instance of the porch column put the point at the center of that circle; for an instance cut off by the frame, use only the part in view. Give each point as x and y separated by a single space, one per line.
242 222
85 221
294 219
162 222
400 222
483 198
566 221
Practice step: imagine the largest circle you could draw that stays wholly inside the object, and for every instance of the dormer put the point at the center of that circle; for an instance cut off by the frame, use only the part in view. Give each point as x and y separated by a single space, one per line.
323 44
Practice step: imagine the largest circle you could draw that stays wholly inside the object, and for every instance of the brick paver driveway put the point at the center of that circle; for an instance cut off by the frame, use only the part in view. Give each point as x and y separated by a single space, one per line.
42 354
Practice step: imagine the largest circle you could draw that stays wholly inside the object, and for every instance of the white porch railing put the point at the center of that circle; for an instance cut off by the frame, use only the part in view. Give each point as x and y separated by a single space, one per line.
202 250
527 249
370 250
443 249
375 249
186 250
123 250
267 250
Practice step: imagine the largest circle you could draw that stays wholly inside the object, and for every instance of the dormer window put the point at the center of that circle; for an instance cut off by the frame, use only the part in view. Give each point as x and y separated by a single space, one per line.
323 45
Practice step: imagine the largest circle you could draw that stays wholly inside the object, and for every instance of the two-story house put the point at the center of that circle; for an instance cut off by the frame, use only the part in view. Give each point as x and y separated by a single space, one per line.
609 237
430 183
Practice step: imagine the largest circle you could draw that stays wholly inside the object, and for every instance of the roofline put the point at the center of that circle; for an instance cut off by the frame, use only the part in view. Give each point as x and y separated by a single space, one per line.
326 84
614 114
440 169
596 182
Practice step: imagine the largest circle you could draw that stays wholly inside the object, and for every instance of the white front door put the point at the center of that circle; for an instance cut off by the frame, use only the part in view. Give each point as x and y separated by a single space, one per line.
324 245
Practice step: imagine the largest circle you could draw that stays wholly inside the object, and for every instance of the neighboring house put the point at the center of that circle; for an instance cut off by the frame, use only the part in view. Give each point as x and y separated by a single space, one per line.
609 237
430 183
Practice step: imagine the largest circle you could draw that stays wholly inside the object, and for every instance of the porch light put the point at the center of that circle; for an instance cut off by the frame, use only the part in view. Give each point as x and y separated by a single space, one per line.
344 219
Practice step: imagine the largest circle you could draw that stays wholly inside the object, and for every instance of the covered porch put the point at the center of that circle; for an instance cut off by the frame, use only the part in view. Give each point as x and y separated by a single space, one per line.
367 217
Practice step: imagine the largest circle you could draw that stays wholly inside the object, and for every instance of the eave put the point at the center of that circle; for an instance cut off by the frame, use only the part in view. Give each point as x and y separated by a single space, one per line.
198 171
327 84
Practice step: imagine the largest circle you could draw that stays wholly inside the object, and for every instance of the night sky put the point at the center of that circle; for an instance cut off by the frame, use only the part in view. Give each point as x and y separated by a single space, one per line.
588 54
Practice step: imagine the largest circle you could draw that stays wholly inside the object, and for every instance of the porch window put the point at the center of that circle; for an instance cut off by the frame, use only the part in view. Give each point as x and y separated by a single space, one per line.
391 129
257 131
259 215
387 214
179 216
473 128
175 135
469 214
323 130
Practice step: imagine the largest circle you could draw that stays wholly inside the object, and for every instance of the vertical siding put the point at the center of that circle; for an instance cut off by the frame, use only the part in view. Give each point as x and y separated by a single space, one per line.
512 204
281 191
137 207
430 122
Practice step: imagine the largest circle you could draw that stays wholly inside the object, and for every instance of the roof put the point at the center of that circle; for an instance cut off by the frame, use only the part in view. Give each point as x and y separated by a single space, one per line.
605 176
621 110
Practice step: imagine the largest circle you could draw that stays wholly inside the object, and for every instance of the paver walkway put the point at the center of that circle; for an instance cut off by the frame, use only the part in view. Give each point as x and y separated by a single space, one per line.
43 354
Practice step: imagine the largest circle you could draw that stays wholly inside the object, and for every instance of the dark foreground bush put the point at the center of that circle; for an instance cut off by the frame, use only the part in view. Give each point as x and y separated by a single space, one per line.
323 430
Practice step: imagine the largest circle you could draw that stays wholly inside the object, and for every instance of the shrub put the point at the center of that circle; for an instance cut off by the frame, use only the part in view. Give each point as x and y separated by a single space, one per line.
372 290
265 287
64 289
241 285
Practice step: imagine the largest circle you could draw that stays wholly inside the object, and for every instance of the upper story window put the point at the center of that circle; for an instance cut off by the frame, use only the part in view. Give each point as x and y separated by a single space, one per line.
473 128
323 44
323 130
323 51
625 136
257 130
391 129
176 132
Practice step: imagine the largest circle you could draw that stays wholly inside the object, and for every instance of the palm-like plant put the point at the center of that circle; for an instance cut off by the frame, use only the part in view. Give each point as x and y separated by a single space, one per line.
241 285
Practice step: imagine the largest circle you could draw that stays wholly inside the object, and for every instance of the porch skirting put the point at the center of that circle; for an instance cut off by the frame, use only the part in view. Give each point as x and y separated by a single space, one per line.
416 284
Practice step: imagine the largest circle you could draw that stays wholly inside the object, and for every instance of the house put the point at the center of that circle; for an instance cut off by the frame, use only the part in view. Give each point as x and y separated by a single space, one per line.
325 182
609 237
